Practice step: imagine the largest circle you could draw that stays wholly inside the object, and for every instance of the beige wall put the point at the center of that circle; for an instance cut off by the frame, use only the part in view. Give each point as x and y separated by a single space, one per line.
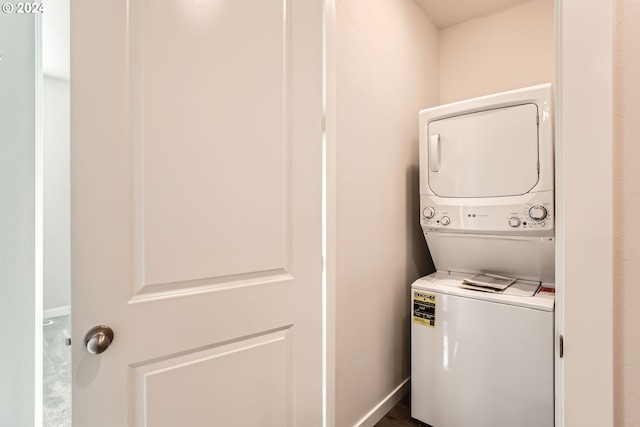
386 70
511 49
626 208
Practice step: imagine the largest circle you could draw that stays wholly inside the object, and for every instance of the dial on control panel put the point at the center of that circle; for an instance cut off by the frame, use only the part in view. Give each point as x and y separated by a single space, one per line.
514 221
428 212
537 212
445 220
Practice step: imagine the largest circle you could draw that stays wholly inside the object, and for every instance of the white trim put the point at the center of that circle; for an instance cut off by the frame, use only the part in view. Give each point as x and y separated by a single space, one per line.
57 311
385 405
585 242
39 228
559 311
329 213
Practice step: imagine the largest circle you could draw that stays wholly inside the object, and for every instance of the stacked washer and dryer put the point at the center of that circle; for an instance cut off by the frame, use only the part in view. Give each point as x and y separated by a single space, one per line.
486 359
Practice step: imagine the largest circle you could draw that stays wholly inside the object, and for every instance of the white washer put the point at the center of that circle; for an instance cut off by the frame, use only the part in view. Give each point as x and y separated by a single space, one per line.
481 359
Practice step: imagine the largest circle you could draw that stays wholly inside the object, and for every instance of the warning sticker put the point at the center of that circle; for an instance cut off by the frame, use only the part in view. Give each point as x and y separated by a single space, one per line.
424 309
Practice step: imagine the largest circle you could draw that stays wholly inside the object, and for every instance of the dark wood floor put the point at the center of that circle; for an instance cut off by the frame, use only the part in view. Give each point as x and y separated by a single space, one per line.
399 416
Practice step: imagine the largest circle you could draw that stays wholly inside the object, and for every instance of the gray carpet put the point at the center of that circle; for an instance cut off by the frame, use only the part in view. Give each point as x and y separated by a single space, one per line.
57 372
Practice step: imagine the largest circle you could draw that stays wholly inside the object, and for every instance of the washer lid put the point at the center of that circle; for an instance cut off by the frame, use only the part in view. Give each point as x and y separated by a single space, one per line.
522 293
523 257
490 153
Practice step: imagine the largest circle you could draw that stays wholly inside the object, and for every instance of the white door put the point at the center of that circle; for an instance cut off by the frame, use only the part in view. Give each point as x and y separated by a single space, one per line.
196 212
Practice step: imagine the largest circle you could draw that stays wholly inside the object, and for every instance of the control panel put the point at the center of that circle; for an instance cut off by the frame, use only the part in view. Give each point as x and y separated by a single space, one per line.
532 215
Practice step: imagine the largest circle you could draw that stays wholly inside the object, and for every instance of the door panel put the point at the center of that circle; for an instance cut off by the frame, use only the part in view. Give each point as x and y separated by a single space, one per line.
210 120
223 384
490 153
196 209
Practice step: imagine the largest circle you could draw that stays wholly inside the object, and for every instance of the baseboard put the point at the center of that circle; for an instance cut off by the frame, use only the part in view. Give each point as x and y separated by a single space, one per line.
381 409
56 311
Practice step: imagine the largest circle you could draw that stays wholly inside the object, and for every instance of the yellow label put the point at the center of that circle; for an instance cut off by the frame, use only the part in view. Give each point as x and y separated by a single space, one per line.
423 322
424 309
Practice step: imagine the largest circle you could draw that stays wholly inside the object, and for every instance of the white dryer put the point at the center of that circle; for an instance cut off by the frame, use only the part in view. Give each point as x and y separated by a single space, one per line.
486 206
486 184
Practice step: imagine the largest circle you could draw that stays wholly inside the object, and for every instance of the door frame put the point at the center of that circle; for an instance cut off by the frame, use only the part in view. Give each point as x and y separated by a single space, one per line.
329 221
583 36
584 114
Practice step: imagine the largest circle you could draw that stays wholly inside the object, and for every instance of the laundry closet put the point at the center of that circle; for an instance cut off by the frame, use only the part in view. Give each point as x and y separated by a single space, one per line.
393 59
482 331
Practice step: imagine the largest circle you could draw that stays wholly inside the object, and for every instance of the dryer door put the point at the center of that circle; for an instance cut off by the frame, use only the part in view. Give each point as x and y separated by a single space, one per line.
491 153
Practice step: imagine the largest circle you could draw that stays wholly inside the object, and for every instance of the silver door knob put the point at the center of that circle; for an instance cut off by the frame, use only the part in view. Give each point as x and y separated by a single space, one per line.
98 339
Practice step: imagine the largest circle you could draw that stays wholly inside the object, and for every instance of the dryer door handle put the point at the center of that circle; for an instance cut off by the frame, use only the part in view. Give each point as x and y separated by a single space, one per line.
434 153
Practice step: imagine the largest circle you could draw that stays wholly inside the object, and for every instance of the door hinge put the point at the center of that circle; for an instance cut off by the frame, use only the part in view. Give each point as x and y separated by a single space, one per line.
561 346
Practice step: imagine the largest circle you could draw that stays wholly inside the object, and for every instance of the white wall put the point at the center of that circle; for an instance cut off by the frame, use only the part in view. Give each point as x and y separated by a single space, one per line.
56 140
17 220
507 50
626 264
387 70
57 247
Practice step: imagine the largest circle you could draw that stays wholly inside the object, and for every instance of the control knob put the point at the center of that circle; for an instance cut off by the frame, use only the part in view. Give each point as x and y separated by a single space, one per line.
514 221
445 220
538 213
428 212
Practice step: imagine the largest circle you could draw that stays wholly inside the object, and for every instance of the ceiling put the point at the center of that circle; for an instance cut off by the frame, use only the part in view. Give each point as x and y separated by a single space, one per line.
450 12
